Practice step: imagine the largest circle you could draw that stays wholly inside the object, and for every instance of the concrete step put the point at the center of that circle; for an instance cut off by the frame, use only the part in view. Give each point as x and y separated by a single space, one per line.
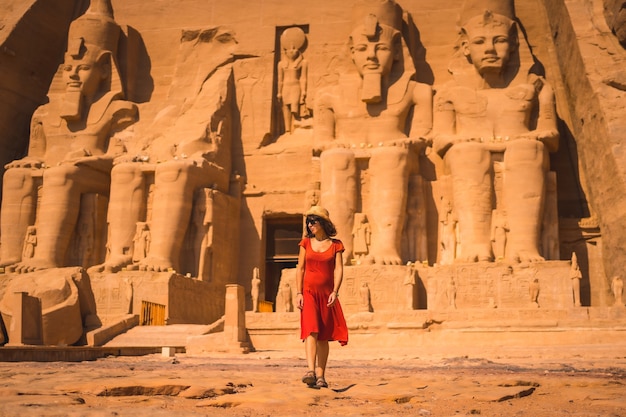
174 335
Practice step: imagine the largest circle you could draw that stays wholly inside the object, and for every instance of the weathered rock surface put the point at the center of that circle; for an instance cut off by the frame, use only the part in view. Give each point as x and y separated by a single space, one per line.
541 382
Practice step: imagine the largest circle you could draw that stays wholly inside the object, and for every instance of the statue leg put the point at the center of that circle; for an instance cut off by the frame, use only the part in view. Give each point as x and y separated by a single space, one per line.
338 192
127 206
175 184
389 184
18 212
60 206
525 165
470 168
287 118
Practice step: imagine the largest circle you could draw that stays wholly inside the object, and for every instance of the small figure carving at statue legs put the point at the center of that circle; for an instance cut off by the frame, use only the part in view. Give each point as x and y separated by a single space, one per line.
617 286
575 275
534 292
255 289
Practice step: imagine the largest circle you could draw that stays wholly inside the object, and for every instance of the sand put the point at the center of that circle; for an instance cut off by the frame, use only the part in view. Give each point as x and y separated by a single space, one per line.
450 381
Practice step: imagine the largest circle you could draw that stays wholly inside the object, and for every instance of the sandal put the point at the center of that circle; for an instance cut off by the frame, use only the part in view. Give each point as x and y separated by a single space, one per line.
321 382
309 378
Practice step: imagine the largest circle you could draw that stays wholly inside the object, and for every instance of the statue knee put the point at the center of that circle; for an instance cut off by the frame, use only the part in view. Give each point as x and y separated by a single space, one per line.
171 171
388 158
16 179
59 176
337 159
528 152
125 173
468 157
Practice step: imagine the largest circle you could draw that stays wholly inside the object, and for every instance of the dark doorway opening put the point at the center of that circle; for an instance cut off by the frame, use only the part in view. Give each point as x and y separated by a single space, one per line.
282 237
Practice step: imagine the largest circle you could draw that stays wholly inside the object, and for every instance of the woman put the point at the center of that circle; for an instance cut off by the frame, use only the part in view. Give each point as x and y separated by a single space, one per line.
318 277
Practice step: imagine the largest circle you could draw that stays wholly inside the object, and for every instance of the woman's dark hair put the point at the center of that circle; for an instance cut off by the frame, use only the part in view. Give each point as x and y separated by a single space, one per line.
328 227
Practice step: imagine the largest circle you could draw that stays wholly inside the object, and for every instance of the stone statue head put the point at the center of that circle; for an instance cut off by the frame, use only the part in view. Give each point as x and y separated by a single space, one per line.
488 38
488 41
375 43
89 68
292 41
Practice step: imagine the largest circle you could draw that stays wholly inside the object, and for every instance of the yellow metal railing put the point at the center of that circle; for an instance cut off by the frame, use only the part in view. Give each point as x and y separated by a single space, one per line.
152 314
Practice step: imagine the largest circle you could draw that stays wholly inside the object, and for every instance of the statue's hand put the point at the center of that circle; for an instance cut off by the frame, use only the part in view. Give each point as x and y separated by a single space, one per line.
27 162
442 143
126 157
420 142
197 148
320 146
122 159
549 137
102 163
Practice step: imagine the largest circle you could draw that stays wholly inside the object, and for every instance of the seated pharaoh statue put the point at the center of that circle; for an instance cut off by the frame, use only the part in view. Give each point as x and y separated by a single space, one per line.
69 156
369 128
162 189
496 116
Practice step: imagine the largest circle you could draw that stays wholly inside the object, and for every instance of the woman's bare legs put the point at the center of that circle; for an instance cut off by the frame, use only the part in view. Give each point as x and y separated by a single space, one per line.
316 357
322 357
310 345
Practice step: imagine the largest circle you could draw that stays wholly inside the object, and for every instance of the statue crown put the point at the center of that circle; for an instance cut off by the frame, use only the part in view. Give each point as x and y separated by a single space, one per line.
96 27
371 13
483 8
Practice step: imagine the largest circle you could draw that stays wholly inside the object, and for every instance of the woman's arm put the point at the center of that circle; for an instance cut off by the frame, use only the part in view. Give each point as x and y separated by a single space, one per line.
300 277
338 278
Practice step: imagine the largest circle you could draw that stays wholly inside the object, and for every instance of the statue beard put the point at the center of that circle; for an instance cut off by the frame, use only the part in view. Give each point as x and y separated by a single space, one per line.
372 88
73 103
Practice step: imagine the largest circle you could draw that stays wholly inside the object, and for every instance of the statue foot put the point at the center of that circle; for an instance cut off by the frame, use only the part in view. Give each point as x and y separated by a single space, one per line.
387 259
477 253
525 256
155 264
8 263
114 264
33 265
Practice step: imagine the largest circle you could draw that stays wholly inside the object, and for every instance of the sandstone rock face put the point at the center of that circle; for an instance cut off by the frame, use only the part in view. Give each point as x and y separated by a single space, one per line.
450 145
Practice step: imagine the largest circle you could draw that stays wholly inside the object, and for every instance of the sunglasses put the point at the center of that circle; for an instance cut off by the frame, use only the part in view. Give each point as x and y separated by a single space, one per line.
312 221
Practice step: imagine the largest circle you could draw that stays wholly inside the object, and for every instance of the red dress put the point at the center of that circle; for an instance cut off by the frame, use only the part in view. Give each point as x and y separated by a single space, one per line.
316 317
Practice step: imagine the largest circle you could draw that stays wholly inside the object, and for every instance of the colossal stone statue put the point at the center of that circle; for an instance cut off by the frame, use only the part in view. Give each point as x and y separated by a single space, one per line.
360 127
496 110
185 165
69 154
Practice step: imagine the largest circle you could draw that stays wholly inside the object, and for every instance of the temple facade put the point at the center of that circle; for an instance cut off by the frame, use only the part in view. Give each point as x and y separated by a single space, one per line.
470 156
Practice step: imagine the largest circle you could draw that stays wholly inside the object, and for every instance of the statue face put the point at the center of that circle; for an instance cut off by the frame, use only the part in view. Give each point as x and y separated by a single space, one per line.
372 56
84 74
488 47
292 52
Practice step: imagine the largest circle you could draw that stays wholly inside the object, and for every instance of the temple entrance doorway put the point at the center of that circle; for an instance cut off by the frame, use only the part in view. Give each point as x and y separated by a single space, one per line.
281 250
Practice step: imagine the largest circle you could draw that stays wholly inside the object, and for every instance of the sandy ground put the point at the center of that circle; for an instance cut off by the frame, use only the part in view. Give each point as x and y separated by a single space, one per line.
537 382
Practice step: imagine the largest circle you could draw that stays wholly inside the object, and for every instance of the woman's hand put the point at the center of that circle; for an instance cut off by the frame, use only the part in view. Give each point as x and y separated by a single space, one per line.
332 298
299 300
